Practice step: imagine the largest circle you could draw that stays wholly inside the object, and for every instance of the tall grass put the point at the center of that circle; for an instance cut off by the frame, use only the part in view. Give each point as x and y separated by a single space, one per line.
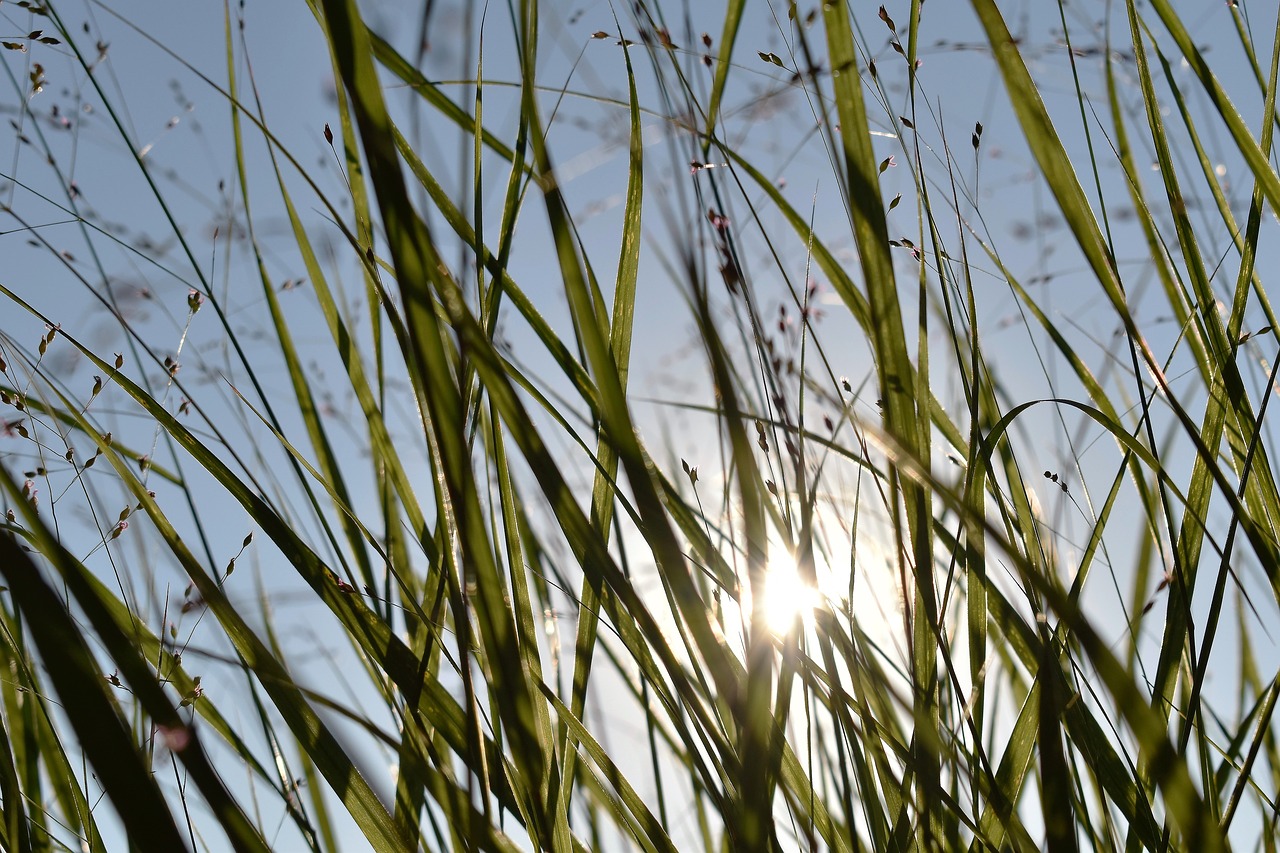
731 514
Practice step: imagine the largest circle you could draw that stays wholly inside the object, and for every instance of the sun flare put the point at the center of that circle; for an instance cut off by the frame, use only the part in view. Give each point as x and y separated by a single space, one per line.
788 597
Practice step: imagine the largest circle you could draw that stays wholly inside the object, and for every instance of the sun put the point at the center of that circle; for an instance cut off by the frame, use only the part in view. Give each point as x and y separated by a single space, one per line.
788 606
788 600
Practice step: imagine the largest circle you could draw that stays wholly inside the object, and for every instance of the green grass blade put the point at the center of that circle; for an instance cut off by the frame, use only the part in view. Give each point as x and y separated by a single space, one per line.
93 713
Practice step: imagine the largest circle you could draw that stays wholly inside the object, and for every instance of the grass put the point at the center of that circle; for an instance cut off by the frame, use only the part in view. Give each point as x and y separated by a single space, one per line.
920 539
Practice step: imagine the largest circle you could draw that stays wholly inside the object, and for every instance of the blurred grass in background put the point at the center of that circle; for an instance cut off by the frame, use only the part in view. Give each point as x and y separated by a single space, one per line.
853 566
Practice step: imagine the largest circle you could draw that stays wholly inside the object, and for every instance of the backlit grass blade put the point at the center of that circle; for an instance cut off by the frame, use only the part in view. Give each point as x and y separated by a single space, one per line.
402 68
724 63
307 406
1248 146
603 486
897 386
645 827
328 755
1167 771
37 751
94 715
527 645
147 689
417 268
17 831
616 421
1252 461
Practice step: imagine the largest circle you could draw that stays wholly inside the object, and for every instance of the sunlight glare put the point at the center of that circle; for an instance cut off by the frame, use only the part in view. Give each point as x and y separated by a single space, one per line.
788 598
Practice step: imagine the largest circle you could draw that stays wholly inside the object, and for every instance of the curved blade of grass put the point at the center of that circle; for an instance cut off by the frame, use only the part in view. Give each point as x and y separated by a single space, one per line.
312 734
903 412
302 393
30 738
16 832
310 731
402 68
418 268
1165 767
527 642
1253 153
92 711
603 487
728 39
146 688
615 417
646 829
